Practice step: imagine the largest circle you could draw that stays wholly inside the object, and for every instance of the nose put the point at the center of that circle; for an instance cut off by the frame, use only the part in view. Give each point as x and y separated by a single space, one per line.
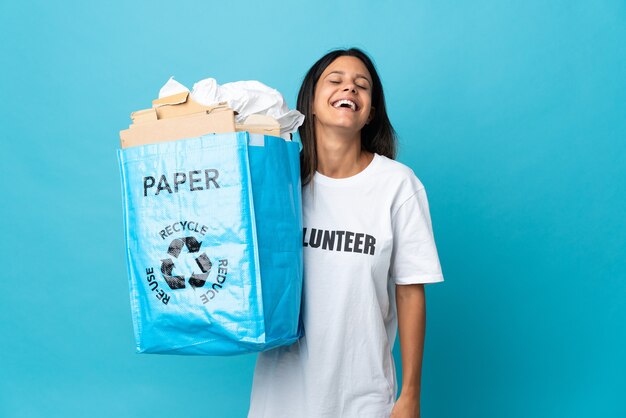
350 88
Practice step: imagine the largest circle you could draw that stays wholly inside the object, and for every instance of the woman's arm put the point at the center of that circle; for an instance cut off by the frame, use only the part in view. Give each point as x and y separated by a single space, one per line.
411 304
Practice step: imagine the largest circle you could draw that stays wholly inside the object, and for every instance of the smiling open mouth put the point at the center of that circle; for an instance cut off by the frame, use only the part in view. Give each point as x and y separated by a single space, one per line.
346 103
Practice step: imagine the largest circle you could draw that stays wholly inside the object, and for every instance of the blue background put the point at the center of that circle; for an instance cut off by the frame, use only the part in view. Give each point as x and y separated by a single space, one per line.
512 113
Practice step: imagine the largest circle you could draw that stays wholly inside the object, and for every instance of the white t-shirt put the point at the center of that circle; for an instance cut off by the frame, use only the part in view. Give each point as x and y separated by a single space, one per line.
362 235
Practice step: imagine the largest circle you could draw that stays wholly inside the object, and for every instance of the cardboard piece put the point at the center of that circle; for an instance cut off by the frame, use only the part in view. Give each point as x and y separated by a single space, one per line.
178 117
147 115
260 124
180 104
263 130
191 126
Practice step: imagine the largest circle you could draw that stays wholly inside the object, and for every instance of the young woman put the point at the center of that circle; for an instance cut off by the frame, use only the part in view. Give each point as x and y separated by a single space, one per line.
368 250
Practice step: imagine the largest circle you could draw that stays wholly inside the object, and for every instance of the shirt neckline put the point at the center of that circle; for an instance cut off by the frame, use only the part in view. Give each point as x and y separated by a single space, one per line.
346 181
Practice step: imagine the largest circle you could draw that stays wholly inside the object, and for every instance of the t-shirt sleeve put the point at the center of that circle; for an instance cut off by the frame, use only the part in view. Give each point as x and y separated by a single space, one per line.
414 257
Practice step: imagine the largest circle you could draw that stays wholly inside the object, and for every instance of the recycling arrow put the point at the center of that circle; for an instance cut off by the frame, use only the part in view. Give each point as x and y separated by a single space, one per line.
203 261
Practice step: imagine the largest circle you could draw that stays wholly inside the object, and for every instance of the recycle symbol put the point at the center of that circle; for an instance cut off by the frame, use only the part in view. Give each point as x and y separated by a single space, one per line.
167 265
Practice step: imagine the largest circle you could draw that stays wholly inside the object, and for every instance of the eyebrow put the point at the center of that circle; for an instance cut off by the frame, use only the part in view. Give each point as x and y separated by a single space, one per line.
343 73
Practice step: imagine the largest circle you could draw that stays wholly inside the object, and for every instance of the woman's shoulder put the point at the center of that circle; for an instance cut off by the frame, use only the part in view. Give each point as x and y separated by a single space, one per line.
398 174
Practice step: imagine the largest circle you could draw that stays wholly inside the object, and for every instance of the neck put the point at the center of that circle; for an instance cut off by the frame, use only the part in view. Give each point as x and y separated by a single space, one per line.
339 154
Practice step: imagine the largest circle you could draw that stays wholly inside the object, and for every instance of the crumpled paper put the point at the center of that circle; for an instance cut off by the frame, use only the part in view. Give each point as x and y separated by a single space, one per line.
244 97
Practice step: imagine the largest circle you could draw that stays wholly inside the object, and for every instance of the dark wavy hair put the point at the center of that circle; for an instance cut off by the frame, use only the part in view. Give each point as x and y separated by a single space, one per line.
377 136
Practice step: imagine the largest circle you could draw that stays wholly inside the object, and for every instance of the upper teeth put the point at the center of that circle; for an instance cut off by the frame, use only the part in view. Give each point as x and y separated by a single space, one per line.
348 102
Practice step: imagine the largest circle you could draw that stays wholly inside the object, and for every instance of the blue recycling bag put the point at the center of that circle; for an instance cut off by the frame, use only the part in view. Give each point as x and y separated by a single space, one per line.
213 229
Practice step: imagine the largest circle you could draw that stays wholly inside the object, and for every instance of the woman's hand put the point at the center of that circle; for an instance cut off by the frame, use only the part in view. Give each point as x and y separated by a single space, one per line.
406 407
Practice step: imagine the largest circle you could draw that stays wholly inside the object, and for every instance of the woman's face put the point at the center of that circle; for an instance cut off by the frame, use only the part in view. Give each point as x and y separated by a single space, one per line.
343 95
